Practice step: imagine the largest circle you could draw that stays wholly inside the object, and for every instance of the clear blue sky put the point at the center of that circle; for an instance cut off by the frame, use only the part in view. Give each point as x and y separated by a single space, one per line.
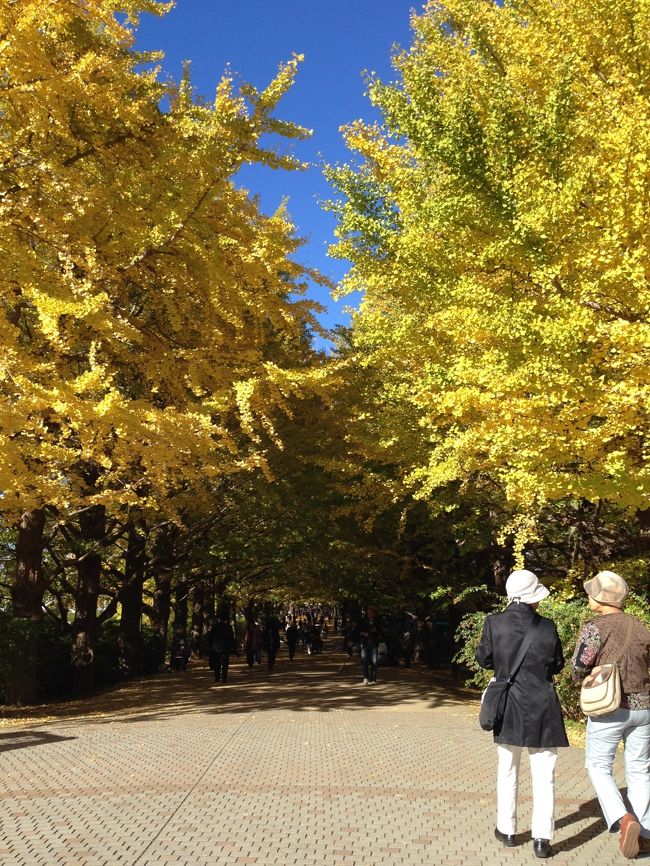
340 40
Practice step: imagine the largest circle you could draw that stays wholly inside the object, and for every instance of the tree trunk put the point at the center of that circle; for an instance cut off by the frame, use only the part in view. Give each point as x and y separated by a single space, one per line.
644 541
197 618
161 607
181 608
92 526
502 565
222 602
162 557
27 592
29 585
130 639
208 602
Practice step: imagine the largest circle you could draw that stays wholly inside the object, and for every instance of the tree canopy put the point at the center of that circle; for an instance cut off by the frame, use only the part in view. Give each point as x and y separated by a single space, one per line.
142 289
497 224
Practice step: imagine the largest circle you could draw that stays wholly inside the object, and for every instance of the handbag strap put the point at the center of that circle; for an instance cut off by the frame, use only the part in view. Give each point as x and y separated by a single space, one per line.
523 649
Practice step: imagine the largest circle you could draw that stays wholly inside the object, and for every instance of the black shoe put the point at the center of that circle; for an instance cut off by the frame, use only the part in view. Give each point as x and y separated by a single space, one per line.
508 841
541 848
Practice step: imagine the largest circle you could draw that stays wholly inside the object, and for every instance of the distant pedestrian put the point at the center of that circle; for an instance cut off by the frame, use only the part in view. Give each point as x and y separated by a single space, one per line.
291 634
314 640
533 718
271 640
252 643
180 653
407 642
370 636
614 636
302 632
221 641
350 634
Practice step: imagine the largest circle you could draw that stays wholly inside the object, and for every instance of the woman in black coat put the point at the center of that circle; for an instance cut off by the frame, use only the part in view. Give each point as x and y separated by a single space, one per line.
533 717
222 644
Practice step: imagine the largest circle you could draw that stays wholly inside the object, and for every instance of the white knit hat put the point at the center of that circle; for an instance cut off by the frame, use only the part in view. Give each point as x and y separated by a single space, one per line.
523 586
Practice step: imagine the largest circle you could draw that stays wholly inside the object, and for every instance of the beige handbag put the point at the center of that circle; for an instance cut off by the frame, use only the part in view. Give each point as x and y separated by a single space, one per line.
600 693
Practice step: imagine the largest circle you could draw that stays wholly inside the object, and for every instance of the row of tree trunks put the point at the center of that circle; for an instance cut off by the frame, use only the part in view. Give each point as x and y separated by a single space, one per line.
130 637
28 589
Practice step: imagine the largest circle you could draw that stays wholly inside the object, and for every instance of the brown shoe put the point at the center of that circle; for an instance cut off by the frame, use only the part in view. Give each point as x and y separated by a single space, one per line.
644 845
629 841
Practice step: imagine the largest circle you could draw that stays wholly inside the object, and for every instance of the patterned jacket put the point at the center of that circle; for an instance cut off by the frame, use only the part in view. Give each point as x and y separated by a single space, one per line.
601 641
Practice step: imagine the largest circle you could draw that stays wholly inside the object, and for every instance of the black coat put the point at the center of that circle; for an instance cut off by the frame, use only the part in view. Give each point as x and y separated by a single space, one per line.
222 638
533 716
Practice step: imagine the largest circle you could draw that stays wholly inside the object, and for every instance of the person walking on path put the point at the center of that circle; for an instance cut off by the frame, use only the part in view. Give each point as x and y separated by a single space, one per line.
180 653
370 637
271 640
291 634
615 636
252 643
533 717
222 644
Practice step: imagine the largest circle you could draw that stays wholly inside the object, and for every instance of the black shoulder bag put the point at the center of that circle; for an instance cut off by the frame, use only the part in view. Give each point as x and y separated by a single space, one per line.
493 704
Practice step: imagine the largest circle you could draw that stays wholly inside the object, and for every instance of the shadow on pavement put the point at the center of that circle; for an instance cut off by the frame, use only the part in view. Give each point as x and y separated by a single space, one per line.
325 682
590 809
18 740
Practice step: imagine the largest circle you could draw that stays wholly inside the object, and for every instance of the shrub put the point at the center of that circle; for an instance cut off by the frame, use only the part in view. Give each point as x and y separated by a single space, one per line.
53 653
54 644
107 654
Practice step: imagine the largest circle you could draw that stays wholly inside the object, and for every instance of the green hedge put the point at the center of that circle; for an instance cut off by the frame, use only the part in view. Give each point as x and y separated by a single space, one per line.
569 614
54 642
107 654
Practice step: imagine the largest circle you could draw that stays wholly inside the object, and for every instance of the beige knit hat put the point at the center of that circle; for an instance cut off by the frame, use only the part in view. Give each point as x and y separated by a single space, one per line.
607 588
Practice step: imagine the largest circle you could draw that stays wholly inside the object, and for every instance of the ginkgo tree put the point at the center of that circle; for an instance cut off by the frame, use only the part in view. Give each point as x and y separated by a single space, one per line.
139 280
497 224
140 287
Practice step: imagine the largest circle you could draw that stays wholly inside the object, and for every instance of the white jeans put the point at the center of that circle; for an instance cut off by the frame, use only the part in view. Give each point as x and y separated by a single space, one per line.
542 771
604 733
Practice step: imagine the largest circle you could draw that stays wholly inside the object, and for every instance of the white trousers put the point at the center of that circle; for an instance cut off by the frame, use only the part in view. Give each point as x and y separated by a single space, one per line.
542 771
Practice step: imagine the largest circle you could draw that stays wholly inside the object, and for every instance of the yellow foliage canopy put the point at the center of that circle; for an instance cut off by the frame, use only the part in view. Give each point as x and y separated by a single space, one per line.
498 225
143 295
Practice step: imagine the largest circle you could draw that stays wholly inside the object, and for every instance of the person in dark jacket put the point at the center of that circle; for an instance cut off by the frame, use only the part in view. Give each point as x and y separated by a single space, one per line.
291 634
613 636
252 643
180 653
222 643
533 717
271 640
370 634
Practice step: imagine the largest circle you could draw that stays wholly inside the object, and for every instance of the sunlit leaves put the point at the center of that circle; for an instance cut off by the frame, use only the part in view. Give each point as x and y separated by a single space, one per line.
498 226
149 319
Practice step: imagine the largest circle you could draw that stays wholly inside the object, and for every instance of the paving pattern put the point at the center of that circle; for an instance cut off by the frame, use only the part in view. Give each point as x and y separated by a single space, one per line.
306 766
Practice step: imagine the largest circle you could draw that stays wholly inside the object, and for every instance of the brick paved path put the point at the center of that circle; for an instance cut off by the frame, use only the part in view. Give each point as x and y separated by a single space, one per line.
305 767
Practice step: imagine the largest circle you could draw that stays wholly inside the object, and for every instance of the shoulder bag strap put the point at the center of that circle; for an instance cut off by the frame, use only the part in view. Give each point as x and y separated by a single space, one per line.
523 649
